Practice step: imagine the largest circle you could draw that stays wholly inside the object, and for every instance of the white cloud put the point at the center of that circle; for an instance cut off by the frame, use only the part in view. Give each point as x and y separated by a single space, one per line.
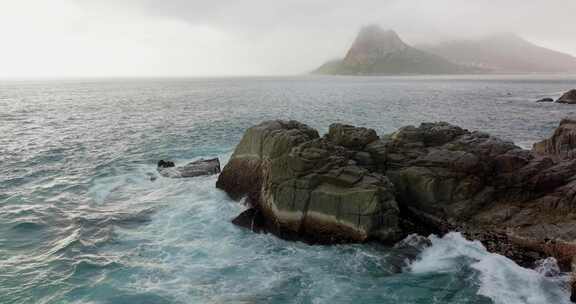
242 37
59 38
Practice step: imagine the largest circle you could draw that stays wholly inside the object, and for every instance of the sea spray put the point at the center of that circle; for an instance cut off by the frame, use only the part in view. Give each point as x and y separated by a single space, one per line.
498 277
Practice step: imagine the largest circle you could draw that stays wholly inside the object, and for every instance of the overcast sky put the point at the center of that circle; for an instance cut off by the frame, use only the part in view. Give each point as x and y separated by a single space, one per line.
100 38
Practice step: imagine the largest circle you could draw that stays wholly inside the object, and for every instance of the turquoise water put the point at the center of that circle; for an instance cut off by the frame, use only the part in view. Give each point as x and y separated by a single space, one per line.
81 221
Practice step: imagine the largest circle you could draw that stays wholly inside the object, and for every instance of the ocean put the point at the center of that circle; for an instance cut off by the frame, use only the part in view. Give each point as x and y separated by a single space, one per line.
83 221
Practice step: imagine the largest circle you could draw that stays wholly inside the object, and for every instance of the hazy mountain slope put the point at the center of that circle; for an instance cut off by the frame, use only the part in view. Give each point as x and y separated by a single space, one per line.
376 52
504 53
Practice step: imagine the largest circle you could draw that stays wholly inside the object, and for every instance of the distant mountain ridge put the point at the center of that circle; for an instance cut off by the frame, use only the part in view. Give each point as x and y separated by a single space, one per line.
382 52
504 53
379 52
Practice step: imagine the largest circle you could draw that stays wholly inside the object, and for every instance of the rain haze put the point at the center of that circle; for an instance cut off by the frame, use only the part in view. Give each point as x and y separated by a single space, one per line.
287 152
163 38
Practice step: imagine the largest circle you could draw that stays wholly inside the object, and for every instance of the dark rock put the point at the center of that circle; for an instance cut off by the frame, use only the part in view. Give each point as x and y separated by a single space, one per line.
309 187
350 136
568 97
562 144
151 176
545 100
251 219
406 251
166 164
242 176
351 186
193 169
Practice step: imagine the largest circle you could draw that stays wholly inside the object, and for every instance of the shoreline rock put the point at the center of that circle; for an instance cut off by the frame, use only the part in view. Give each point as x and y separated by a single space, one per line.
310 188
353 186
193 169
562 144
568 97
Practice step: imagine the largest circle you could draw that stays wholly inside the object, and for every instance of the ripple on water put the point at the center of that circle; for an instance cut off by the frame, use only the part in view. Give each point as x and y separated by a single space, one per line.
81 221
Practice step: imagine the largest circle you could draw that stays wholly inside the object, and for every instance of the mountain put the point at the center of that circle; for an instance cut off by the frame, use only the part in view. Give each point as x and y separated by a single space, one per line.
379 52
504 53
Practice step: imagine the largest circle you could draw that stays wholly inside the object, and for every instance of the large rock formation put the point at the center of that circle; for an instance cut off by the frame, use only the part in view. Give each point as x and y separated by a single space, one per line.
312 188
353 186
562 144
268 140
196 168
568 97
378 52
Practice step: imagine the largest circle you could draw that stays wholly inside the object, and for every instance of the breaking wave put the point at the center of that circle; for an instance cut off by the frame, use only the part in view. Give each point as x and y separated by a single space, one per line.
498 278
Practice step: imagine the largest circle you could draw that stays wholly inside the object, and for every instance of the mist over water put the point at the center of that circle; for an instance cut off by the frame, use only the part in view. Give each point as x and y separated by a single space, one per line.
82 222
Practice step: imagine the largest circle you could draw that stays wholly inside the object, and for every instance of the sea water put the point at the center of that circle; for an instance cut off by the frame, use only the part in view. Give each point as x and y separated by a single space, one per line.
82 220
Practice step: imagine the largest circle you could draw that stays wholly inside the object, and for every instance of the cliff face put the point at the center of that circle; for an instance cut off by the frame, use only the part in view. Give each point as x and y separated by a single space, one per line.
562 144
307 187
379 52
504 53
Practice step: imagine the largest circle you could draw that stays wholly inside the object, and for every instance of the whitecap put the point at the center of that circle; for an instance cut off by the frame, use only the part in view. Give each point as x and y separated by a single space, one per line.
499 278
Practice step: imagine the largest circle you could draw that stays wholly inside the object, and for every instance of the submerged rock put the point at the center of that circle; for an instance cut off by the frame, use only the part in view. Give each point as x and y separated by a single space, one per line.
193 169
568 97
406 251
548 267
251 219
166 164
545 100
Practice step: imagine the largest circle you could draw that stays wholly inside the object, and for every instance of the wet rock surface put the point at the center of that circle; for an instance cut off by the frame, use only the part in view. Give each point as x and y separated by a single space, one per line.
311 188
562 144
547 99
193 169
354 186
568 97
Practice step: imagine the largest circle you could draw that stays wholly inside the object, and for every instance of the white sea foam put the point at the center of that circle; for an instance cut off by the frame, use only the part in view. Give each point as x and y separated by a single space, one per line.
499 278
140 183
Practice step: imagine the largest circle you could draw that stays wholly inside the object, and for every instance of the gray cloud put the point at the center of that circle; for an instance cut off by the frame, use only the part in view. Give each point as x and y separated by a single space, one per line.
554 17
321 29
293 36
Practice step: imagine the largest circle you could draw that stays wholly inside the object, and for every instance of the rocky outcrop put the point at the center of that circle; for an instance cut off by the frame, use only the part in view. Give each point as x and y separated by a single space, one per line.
243 174
353 186
311 188
562 144
568 97
517 202
193 169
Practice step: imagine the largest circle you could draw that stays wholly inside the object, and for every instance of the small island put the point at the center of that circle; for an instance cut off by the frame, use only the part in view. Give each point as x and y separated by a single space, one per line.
376 51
